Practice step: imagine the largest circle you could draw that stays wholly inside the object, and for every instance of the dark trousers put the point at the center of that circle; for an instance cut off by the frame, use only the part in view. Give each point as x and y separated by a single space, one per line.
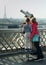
38 50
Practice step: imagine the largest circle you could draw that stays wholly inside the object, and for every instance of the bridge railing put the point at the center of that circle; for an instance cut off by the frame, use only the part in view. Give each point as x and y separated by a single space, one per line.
42 32
13 39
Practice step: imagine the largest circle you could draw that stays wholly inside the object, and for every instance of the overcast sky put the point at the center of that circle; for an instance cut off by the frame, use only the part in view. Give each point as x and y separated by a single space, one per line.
13 7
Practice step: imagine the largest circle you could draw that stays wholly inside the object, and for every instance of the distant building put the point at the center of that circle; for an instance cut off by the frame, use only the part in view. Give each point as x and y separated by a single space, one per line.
8 23
15 23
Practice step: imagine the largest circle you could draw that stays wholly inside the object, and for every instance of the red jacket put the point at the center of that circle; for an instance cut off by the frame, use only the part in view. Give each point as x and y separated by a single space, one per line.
34 29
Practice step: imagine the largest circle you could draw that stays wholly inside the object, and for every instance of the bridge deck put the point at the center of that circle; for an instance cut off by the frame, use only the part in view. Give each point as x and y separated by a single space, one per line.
19 60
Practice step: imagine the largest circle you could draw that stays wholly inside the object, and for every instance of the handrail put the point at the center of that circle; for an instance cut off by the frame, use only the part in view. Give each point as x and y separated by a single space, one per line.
11 30
16 30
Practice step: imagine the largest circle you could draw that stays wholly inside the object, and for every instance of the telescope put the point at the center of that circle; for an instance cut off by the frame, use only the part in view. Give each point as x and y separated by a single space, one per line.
26 13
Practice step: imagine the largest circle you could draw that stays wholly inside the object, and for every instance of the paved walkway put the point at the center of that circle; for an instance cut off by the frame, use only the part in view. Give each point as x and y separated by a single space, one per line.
20 60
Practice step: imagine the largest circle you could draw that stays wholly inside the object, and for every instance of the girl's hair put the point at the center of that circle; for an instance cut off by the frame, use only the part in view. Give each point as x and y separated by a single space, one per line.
27 20
34 20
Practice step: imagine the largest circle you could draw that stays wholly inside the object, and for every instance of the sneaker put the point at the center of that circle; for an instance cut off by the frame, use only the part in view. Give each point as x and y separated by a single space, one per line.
30 60
39 59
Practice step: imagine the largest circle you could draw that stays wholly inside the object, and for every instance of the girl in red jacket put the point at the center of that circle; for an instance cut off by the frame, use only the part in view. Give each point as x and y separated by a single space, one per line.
36 41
